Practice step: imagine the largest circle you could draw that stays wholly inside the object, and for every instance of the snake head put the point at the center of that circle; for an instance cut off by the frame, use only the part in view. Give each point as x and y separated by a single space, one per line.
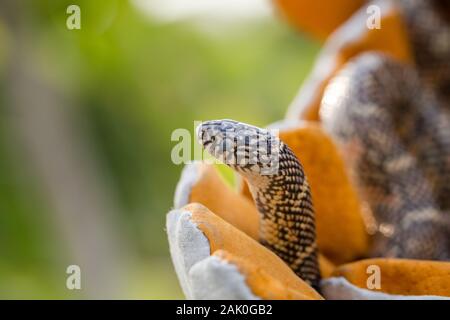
246 148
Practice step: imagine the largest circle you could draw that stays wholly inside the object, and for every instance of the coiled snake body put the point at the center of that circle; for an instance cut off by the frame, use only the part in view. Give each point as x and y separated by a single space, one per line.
279 188
396 138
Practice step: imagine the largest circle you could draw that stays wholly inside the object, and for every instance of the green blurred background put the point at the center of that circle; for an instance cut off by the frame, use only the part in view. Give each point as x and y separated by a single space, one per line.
86 118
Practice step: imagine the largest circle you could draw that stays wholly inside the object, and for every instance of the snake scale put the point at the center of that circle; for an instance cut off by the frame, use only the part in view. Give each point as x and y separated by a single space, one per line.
279 188
392 123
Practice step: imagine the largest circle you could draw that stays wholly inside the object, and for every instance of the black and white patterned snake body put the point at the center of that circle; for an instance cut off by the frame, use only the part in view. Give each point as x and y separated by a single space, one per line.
396 138
392 122
279 188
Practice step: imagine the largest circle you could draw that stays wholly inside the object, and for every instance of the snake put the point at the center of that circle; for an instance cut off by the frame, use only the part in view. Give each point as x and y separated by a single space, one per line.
278 185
